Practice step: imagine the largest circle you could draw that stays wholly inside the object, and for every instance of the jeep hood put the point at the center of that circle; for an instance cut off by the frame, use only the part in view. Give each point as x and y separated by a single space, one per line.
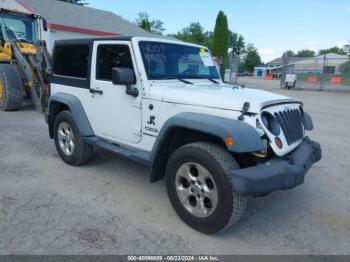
227 97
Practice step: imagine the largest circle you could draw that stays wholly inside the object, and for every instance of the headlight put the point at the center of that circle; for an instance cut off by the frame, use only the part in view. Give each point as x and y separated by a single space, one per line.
271 123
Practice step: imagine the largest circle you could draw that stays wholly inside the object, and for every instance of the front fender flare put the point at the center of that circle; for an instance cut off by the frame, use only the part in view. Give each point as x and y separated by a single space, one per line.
246 137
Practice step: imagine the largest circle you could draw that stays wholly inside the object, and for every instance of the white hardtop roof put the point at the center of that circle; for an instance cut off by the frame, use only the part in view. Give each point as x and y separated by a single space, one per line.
165 40
128 38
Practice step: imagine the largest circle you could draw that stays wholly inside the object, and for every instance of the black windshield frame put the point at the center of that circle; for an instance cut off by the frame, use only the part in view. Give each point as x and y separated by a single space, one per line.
169 57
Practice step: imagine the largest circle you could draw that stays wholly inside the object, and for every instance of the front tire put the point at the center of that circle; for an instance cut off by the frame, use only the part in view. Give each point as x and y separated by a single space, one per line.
69 142
200 188
11 88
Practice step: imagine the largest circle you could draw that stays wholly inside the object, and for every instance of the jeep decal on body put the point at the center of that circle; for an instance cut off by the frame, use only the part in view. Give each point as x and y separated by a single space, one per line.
151 120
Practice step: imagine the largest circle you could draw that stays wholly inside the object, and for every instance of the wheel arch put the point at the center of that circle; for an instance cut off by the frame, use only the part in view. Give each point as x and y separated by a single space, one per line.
60 102
194 127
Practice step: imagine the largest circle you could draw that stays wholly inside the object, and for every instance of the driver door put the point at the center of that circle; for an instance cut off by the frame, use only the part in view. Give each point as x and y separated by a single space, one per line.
115 115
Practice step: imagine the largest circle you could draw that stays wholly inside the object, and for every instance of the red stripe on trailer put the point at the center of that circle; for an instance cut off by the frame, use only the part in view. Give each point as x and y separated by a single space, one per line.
80 30
25 6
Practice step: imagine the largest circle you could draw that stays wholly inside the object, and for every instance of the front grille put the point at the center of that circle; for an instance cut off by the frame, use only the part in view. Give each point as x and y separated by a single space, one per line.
291 124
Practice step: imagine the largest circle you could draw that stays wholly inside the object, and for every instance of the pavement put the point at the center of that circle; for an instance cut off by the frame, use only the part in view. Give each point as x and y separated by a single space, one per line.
109 207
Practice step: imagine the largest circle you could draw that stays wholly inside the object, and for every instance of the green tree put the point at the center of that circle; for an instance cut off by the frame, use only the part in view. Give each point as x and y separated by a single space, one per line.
209 37
236 42
305 53
76 2
289 53
154 26
145 24
335 50
220 41
345 68
252 58
194 33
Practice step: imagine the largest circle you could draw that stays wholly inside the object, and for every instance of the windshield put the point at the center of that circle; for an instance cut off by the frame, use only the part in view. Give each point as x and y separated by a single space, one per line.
18 27
167 61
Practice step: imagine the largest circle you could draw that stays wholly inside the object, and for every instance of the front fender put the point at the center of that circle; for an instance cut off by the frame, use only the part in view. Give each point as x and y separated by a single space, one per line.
245 136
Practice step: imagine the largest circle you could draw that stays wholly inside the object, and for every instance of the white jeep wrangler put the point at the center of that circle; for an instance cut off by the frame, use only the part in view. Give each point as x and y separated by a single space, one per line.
163 103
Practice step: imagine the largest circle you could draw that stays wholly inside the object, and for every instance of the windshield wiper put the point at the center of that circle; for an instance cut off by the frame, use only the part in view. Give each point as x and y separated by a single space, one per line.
213 80
205 77
165 77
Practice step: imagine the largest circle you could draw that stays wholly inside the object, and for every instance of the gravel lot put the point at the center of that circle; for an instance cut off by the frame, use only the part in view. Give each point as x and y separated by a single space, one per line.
109 206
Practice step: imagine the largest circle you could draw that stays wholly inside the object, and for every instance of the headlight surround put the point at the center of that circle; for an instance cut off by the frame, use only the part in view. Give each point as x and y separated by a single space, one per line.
271 123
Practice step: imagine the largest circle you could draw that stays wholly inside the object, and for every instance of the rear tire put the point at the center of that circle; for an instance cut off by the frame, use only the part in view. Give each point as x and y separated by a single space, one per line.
221 206
11 88
69 142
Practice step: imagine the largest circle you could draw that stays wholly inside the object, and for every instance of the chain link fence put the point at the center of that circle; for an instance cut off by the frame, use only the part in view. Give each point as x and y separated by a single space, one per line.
329 72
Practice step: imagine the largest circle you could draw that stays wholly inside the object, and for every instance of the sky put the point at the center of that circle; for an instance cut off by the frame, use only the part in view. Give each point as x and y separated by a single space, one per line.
273 26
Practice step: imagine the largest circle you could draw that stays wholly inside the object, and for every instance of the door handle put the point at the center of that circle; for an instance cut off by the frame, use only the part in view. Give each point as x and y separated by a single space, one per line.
96 91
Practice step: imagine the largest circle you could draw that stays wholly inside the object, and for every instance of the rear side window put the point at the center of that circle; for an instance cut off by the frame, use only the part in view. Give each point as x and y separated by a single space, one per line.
109 56
72 61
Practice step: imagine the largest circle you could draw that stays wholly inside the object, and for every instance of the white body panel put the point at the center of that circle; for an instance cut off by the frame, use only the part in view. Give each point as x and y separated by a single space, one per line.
285 149
114 115
125 120
204 93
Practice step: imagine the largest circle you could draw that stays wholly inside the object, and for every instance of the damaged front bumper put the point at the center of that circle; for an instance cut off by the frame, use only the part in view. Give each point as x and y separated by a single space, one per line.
278 173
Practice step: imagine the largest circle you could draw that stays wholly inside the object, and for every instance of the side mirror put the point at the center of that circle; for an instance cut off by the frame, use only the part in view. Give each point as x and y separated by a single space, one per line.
125 76
44 21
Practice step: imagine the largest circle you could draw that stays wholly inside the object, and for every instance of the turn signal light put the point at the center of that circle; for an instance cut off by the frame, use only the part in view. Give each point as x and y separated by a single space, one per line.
278 142
229 141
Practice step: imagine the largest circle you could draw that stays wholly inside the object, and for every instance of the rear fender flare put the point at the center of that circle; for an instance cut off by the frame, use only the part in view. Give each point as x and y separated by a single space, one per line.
77 110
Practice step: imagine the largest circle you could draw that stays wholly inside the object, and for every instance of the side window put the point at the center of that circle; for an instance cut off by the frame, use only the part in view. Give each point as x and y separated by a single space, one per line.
72 60
109 56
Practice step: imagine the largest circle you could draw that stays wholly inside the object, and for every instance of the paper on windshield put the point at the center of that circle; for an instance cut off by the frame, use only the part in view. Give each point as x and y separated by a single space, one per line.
206 58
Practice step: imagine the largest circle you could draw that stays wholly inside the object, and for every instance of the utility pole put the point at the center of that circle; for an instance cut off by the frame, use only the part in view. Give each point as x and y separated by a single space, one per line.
284 69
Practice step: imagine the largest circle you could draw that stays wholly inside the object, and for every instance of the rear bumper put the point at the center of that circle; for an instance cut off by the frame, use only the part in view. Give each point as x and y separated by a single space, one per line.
279 173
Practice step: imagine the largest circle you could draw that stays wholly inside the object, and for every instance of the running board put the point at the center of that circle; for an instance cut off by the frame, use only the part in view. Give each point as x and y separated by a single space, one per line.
140 156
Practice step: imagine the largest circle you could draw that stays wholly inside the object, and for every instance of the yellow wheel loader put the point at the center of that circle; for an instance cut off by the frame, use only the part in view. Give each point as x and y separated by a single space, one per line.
25 64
